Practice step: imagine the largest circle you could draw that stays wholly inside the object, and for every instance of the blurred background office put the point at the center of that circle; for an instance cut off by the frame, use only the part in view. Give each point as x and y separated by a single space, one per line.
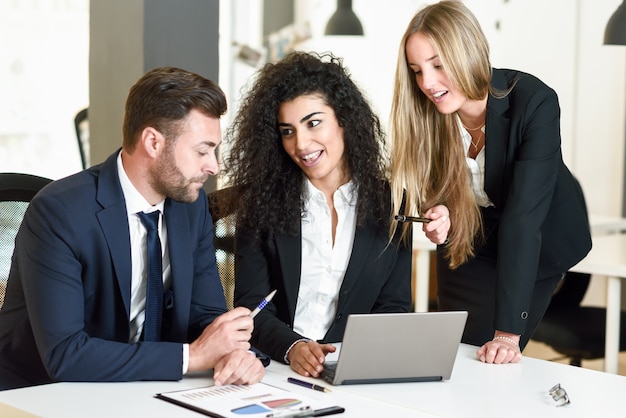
44 47
45 71
61 56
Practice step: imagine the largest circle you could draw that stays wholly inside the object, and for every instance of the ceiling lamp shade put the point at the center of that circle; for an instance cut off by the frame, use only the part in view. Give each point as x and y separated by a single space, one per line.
615 32
344 21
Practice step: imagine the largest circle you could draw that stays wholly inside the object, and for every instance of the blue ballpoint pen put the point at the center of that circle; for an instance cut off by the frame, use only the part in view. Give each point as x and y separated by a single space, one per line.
264 302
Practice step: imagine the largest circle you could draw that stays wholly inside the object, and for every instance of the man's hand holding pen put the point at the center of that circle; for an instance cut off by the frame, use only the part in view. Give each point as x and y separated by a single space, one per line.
223 346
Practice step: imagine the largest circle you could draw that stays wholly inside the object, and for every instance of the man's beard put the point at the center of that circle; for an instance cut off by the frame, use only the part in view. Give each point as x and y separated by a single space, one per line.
169 181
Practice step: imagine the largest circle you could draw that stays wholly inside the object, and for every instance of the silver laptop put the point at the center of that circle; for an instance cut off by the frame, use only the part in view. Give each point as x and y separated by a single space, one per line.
397 347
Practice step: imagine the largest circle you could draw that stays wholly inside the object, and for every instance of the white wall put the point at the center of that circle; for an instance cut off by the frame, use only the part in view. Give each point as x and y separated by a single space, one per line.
43 84
371 58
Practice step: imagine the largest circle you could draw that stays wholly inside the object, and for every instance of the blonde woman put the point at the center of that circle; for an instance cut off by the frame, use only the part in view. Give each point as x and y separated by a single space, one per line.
485 143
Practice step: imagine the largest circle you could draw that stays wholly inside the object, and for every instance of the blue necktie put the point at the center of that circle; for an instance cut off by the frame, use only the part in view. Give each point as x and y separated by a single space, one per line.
154 286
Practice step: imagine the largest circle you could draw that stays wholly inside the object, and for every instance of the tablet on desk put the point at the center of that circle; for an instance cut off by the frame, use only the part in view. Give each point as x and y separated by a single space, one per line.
397 347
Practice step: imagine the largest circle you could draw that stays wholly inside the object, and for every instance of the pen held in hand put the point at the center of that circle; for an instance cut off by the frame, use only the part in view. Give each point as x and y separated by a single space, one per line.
264 302
404 218
307 384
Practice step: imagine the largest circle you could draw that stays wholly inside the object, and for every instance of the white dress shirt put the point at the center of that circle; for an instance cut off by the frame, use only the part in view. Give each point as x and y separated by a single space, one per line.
135 203
323 264
477 167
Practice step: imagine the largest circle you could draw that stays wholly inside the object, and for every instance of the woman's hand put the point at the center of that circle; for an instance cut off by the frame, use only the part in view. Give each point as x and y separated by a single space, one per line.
503 349
307 358
437 229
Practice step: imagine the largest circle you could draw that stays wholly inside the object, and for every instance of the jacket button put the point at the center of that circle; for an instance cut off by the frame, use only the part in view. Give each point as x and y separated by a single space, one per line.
524 315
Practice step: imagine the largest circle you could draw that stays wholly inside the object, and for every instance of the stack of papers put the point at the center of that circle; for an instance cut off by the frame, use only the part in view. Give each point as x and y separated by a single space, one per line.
238 401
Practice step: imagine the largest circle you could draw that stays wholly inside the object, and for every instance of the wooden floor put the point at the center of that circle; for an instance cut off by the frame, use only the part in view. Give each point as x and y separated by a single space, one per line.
542 351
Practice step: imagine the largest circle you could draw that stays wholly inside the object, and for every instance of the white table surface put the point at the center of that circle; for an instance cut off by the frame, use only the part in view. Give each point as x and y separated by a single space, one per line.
474 390
604 224
607 259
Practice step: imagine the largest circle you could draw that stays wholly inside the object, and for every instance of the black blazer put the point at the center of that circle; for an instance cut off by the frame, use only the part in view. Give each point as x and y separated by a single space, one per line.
378 279
542 228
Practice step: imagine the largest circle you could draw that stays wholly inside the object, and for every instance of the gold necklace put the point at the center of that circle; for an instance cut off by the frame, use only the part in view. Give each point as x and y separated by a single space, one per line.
475 145
473 129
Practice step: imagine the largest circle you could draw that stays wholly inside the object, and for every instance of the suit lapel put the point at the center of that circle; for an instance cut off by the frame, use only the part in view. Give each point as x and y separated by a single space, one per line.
290 257
114 224
361 252
497 134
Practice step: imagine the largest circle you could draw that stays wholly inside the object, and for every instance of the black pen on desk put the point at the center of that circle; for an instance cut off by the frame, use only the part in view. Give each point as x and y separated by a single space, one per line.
264 302
404 218
307 384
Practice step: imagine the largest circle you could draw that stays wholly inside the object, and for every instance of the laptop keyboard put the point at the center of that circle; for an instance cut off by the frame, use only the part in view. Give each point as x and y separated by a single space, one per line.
328 374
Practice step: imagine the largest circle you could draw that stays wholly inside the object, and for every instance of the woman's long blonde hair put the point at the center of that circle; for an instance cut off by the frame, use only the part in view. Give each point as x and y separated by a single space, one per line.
428 159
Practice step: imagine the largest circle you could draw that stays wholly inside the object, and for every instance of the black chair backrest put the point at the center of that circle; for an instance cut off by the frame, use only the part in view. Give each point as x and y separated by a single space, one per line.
16 192
81 125
222 205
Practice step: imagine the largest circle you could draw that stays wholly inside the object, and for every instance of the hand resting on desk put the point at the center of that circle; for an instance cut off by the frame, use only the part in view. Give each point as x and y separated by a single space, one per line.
307 358
504 348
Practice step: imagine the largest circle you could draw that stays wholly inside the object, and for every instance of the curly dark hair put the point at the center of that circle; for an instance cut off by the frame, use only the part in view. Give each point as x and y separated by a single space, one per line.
268 181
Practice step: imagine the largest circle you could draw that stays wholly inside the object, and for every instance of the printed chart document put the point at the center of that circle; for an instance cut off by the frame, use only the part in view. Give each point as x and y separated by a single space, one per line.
239 401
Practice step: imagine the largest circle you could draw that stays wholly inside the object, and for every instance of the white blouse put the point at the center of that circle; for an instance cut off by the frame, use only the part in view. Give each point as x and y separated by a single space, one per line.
323 264
476 166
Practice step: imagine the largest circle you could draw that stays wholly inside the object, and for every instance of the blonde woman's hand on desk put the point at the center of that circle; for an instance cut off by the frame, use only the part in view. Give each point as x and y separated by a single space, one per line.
503 349
307 357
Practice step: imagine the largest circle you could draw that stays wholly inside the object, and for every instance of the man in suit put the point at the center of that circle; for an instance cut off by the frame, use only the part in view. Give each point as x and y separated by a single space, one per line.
75 307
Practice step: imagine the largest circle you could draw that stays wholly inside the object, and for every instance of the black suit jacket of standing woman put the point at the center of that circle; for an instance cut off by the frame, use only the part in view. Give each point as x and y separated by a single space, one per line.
539 223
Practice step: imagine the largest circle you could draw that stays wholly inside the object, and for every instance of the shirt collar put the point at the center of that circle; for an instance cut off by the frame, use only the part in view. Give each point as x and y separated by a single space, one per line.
347 192
135 202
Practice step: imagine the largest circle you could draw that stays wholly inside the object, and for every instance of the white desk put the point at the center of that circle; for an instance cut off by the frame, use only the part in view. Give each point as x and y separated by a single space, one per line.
136 399
602 224
607 259
475 390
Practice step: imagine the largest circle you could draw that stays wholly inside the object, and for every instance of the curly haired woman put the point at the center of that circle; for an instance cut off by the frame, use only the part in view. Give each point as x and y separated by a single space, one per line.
314 209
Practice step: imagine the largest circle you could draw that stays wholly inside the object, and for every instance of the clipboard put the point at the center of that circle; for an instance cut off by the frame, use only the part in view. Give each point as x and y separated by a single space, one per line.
242 401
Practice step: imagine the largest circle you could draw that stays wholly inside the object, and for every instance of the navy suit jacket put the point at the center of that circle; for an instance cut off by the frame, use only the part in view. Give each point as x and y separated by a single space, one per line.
66 313
378 279
541 227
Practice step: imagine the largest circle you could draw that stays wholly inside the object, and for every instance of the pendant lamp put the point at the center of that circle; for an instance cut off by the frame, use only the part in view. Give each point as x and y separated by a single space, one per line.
344 21
615 32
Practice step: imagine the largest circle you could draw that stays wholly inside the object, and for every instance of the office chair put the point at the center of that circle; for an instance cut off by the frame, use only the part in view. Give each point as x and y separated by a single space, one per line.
222 205
577 332
81 124
16 192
